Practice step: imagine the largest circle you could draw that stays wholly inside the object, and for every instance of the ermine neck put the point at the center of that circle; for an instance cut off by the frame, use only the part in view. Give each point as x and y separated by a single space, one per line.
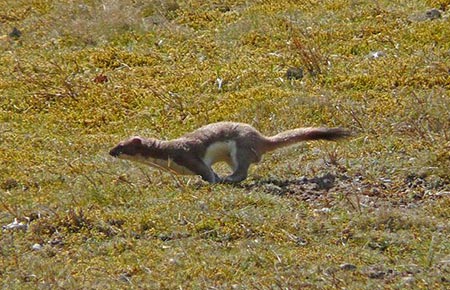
157 148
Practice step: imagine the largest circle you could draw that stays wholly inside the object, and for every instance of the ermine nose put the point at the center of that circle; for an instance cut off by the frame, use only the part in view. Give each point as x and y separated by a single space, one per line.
114 152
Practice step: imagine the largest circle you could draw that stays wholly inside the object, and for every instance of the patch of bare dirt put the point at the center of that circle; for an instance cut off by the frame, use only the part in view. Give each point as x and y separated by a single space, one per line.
408 192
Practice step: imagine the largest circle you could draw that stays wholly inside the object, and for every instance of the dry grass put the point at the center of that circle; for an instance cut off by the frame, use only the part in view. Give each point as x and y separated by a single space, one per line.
371 212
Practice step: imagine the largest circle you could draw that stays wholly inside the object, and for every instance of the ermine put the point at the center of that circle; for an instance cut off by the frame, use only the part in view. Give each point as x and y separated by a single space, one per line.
237 144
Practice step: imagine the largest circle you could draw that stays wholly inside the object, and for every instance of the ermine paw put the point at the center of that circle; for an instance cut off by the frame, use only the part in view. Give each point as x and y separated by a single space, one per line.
217 179
231 180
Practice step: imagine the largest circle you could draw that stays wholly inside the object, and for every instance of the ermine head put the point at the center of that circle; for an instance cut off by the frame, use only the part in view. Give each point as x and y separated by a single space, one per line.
133 148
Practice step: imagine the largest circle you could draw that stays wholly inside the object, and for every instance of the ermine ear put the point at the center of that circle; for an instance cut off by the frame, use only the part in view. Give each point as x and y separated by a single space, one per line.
136 140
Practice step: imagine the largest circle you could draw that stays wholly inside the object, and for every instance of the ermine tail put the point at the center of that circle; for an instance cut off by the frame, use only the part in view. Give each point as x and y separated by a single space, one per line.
291 137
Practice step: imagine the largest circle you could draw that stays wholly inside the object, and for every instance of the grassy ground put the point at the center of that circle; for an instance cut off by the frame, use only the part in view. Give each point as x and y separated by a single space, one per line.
370 212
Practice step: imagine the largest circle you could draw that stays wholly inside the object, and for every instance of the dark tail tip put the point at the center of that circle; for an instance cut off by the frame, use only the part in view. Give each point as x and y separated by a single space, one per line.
339 133
330 133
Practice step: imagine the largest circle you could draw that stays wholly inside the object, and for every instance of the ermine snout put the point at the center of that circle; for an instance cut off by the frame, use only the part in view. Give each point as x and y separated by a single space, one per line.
114 152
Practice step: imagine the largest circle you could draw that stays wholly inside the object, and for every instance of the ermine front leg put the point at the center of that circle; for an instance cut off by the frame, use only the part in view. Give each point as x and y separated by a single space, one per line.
197 166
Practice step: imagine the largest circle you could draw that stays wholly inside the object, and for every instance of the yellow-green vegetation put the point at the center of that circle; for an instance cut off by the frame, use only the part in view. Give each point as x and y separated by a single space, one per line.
78 76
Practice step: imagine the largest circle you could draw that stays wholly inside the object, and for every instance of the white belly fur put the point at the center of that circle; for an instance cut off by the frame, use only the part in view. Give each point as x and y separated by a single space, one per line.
168 165
221 151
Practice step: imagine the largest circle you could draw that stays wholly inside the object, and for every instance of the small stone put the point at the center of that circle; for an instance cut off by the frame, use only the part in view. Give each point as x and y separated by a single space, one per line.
203 206
172 6
377 275
36 247
100 79
222 8
165 237
294 73
302 180
16 225
445 262
219 82
10 183
174 261
29 278
408 280
301 242
15 33
347 267
325 181
324 211
272 188
376 54
56 242
125 277
433 14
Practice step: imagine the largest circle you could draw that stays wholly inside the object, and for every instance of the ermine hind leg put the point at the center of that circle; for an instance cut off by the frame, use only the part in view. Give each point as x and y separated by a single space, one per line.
243 159
239 174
